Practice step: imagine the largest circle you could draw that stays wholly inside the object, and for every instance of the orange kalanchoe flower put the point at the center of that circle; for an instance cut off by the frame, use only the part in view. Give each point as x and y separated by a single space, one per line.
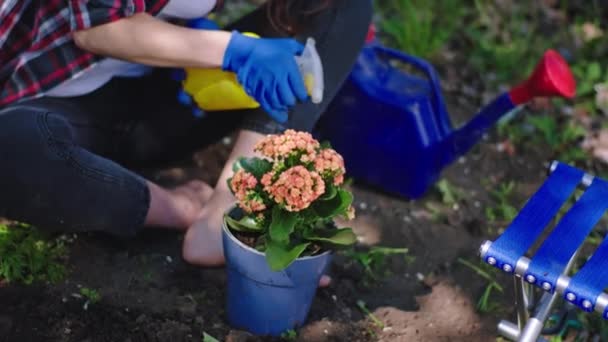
281 146
243 184
329 163
296 188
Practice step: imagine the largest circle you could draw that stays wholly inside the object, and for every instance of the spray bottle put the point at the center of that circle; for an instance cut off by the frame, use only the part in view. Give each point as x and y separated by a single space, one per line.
218 90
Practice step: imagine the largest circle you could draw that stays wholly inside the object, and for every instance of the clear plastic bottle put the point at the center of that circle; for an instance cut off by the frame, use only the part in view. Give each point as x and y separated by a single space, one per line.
311 69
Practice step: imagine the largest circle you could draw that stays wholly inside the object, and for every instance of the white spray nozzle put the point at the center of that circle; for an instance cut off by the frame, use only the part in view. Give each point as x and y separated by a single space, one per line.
312 71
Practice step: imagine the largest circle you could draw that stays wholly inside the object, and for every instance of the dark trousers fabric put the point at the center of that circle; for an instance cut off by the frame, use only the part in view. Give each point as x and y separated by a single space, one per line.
66 161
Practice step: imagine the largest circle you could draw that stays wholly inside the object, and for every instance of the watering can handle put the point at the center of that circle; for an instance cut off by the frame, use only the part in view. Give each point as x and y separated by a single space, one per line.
440 109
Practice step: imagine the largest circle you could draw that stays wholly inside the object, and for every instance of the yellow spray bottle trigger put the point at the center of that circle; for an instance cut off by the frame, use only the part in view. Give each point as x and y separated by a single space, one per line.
215 89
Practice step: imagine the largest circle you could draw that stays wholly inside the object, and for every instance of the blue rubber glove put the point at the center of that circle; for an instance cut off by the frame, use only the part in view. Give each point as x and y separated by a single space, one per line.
268 71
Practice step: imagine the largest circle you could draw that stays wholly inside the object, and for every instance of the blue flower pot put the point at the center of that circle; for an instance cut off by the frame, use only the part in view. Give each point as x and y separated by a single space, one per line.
264 302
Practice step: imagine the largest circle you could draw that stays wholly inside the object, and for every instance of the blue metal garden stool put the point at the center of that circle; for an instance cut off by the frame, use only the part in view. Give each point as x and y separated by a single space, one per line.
548 267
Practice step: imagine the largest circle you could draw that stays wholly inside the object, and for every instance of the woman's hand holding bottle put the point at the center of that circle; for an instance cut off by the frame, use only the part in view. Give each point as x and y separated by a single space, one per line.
268 71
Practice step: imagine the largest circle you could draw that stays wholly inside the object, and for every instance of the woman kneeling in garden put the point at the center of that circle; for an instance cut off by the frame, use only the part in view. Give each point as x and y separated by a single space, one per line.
85 93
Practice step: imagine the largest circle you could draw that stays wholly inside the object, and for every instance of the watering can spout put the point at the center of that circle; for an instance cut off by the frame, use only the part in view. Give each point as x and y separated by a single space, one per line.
551 78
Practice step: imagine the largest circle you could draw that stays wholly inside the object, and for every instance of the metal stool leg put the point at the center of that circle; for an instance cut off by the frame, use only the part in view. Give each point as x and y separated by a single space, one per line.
529 328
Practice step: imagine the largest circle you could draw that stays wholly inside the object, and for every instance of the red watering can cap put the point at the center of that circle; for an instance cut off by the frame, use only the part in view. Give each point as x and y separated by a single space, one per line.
551 77
371 33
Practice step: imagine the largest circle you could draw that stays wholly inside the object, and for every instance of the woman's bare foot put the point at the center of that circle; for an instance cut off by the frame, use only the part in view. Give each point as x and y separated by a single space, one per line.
192 197
178 207
203 241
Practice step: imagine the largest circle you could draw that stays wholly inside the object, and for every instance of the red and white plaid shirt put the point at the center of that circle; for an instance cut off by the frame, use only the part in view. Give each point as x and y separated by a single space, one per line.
36 48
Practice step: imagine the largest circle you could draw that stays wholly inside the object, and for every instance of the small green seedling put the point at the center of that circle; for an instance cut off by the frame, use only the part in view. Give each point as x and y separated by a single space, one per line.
289 335
450 194
503 211
209 338
484 303
377 322
91 296
374 260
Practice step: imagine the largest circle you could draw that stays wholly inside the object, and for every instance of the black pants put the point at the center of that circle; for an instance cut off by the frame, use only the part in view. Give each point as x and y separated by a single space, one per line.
65 160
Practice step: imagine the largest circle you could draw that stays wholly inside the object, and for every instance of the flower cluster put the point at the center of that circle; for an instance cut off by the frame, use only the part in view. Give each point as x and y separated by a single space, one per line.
329 163
297 172
288 143
296 188
243 185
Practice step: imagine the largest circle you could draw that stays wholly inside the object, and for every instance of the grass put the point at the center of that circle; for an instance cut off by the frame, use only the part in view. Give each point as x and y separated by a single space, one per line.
413 26
377 322
232 12
208 338
503 211
560 135
374 261
505 39
485 304
91 297
562 138
28 256
289 335
450 194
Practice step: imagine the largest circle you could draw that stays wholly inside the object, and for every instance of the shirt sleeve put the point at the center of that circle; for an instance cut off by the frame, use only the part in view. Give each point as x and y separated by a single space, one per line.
88 13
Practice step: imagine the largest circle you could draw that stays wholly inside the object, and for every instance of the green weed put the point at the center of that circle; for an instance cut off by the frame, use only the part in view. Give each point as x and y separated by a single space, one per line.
91 295
289 335
233 11
377 322
27 255
209 338
503 211
374 261
436 211
562 138
512 130
485 303
504 40
450 194
588 74
415 27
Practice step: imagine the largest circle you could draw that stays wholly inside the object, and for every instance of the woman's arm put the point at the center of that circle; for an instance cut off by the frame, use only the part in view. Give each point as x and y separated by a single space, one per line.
147 40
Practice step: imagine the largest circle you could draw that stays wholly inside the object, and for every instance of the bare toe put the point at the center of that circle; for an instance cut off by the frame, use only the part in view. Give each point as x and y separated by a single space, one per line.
324 281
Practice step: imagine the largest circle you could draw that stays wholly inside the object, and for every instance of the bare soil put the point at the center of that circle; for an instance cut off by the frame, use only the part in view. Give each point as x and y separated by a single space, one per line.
148 293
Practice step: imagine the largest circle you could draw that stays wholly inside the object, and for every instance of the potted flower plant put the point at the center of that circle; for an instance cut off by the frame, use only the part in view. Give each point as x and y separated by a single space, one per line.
278 239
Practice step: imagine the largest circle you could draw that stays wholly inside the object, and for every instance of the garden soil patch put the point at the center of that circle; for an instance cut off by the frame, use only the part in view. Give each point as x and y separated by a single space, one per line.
149 294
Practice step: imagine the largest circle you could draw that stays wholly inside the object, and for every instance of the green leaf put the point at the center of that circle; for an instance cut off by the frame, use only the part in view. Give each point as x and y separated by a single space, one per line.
330 192
256 166
245 224
341 237
209 338
335 206
229 183
279 256
282 225
594 71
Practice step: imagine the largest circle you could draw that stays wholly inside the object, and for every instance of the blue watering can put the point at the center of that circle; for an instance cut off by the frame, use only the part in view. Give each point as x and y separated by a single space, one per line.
393 128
